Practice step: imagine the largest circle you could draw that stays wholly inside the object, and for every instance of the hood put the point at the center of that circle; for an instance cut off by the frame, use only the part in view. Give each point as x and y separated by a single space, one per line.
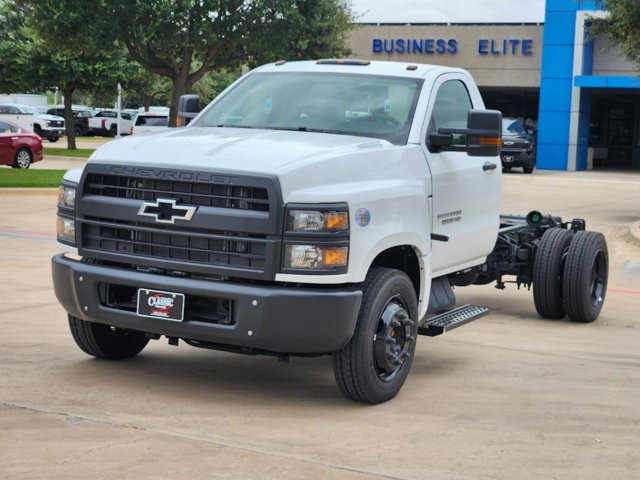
239 150
49 118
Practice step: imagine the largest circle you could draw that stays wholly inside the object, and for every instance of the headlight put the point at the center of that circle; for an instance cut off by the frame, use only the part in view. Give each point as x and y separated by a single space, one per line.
315 257
66 230
317 221
67 196
66 224
316 238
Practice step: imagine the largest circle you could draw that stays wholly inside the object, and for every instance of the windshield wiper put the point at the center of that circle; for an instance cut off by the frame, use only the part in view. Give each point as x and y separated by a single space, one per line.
231 125
305 129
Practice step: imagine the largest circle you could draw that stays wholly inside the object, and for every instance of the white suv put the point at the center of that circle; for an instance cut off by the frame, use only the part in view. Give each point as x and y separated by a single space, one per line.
47 126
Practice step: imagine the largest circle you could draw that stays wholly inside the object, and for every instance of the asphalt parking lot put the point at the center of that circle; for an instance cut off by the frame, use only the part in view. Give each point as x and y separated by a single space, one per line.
510 396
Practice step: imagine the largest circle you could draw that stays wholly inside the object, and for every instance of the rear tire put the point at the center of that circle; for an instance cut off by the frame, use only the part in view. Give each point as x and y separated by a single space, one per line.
104 341
373 366
548 272
585 276
22 158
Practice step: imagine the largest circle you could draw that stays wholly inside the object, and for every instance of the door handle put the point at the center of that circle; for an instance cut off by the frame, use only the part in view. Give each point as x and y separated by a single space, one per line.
489 166
14 138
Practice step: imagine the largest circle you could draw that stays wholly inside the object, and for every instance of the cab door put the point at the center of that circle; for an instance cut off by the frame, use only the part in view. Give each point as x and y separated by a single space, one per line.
466 190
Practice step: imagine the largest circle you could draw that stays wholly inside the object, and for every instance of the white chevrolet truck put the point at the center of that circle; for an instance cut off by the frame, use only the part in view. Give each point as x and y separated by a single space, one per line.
313 208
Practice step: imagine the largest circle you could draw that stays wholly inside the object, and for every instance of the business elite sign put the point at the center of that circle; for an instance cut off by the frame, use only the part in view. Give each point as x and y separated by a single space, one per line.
451 46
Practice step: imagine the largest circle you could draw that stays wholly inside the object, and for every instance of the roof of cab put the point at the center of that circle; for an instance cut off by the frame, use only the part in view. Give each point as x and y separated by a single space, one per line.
400 69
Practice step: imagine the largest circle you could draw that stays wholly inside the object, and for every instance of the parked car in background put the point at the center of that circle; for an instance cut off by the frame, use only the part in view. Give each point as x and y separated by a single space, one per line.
47 126
148 122
81 118
105 123
18 147
518 146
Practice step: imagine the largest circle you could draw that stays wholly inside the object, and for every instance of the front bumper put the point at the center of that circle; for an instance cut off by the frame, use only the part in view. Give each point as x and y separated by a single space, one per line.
53 132
265 318
517 158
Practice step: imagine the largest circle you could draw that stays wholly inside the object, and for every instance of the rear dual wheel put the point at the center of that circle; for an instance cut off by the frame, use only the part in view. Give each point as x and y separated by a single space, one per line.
585 276
570 275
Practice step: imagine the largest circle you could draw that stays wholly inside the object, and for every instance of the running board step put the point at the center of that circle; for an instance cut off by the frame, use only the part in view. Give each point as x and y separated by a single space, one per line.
452 319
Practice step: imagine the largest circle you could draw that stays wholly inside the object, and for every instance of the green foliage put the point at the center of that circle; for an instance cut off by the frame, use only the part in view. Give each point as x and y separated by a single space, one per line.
180 40
621 26
15 178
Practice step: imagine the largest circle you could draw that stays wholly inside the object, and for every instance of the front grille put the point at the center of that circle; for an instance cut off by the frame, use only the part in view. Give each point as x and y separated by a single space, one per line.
235 228
57 123
199 246
202 194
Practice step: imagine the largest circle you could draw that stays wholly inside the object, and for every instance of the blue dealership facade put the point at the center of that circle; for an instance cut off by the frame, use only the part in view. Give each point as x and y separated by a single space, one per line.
576 85
578 94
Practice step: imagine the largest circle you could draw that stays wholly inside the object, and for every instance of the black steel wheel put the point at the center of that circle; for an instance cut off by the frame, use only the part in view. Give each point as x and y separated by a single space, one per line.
548 268
585 276
105 341
373 366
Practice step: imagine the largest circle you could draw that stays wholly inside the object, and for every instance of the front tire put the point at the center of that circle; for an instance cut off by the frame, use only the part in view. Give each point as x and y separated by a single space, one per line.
585 276
373 366
53 139
548 269
105 341
22 158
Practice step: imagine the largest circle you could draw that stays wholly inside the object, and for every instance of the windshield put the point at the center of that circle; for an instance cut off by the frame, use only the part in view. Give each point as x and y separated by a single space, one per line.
28 109
511 126
363 105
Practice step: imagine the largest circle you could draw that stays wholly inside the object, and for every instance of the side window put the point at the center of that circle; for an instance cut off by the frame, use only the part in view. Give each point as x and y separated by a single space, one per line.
6 128
451 106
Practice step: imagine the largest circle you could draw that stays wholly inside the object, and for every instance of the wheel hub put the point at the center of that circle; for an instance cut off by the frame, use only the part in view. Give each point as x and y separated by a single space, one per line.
393 339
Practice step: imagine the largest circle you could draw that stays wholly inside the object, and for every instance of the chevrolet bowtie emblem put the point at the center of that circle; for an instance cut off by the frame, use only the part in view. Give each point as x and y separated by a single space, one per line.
165 210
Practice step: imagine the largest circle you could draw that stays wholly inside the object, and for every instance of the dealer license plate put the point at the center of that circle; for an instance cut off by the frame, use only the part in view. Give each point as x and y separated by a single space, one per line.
159 304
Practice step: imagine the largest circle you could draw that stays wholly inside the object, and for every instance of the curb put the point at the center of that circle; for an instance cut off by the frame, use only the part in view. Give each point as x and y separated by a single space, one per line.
7 192
634 228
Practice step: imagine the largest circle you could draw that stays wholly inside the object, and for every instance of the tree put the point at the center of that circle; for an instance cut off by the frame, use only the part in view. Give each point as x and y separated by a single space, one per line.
621 27
32 63
182 40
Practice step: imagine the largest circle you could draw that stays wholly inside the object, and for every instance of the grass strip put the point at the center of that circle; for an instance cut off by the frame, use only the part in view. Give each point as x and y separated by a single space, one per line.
63 152
17 178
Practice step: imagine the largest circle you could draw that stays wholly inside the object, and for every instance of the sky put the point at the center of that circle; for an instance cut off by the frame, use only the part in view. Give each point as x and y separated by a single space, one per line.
449 11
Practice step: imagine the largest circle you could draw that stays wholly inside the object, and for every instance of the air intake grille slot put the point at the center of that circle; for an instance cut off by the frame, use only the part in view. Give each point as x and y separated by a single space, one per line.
205 194
207 247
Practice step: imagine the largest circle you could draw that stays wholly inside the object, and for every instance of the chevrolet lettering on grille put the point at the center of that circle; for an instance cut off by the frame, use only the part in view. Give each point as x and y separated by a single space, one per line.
165 210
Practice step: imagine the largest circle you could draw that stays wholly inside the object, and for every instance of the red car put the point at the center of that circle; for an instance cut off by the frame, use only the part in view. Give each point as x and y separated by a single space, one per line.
18 147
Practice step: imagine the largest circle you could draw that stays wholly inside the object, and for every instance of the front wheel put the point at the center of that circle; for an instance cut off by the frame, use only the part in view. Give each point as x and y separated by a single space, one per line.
53 139
373 366
105 341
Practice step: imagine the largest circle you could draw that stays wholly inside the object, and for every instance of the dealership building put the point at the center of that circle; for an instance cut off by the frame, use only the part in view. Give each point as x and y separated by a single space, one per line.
579 94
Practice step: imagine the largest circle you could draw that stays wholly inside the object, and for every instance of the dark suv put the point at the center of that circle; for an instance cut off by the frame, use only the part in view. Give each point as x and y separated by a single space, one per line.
518 146
80 118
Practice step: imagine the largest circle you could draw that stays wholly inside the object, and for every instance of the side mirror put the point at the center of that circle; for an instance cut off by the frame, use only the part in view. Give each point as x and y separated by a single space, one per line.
484 137
481 138
188 108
